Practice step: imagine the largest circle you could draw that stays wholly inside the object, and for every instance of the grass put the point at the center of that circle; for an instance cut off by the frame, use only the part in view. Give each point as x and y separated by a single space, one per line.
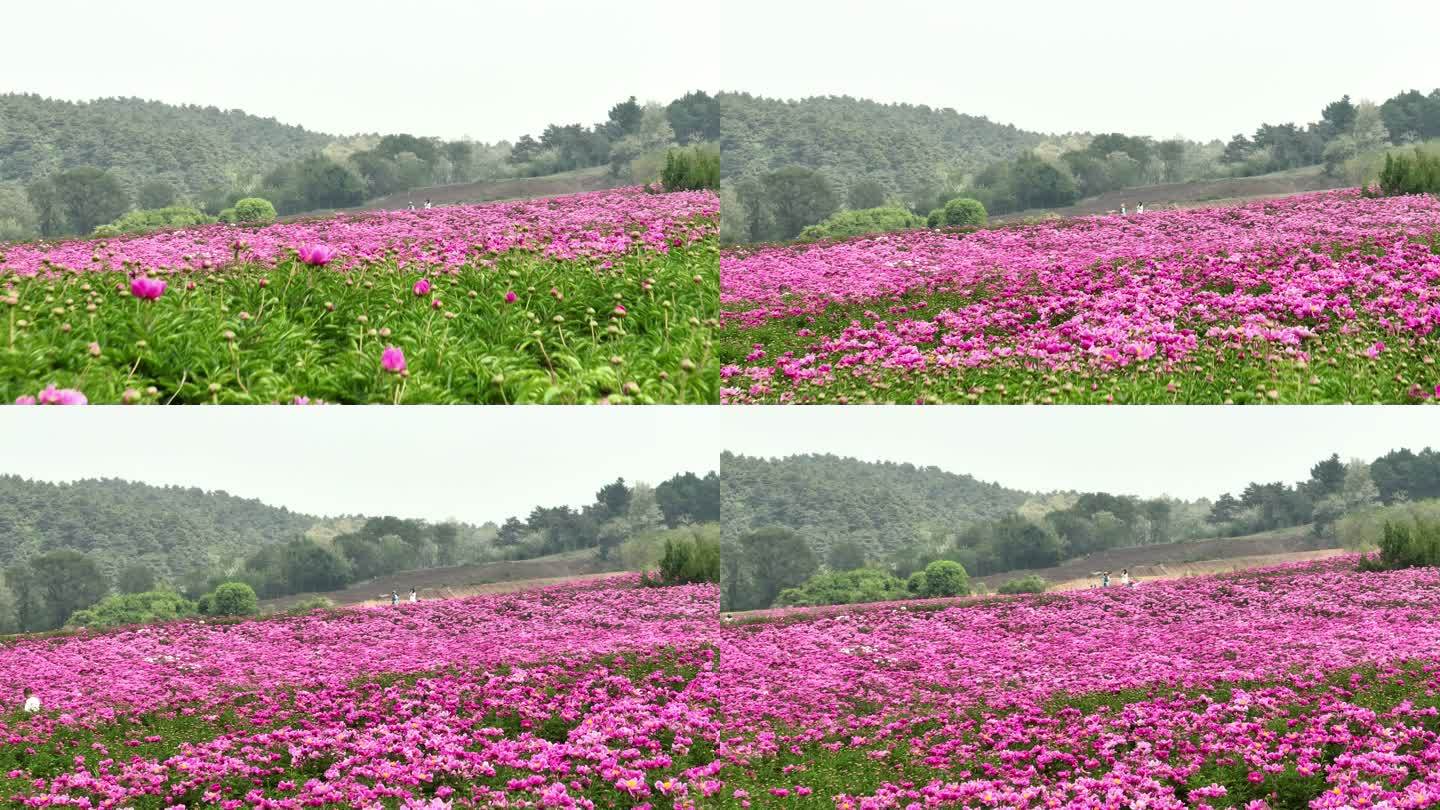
255 334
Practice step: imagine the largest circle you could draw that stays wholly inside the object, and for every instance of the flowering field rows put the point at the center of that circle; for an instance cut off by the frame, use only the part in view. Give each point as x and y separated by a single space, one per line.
573 696
1307 685
604 296
1326 297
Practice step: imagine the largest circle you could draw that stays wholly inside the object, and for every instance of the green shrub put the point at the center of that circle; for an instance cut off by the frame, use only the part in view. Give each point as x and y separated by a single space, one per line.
963 211
254 211
845 588
227 215
691 168
154 219
946 578
916 583
232 599
133 608
1033 583
1410 174
861 222
935 218
310 603
1402 545
688 561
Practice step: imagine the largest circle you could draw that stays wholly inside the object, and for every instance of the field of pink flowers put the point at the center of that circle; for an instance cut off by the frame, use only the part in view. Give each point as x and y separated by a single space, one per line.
1327 297
608 296
1307 685
571 696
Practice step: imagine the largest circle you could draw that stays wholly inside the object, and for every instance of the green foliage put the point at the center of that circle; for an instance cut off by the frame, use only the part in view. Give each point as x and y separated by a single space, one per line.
845 588
692 168
231 599
156 194
133 608
49 587
78 200
792 198
168 530
135 579
892 511
867 193
1034 583
859 223
253 211
1363 530
18 220
963 211
297 345
688 498
1418 173
945 578
687 561
310 604
761 564
146 221
695 116
1406 545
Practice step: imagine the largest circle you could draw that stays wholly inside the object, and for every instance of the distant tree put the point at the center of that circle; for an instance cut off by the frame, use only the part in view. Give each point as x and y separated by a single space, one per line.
18 220
232 599
1172 157
759 224
1033 583
1040 184
615 496
1404 116
691 168
254 211
90 197
846 555
859 223
690 561
133 608
156 194
1225 510
946 578
447 544
307 566
774 559
963 211
327 184
1237 150
135 579
1339 116
694 117
63 582
1327 477
866 194
796 197
624 119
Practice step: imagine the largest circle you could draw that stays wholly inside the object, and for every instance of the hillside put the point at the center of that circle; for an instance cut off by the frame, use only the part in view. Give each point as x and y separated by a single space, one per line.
119 523
193 148
597 178
901 145
883 505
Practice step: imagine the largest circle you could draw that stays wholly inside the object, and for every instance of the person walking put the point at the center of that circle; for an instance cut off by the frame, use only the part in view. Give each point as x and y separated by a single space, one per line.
394 598
428 206
414 596
1105 579
1123 211
32 702
412 205
1140 208
1125 578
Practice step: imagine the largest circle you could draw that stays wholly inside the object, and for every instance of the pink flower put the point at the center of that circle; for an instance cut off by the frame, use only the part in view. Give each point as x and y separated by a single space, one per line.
422 287
54 396
147 288
316 255
1374 351
392 359
510 297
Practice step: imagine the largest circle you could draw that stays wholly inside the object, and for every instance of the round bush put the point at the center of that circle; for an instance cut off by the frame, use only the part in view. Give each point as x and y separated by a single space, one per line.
963 211
946 578
234 599
254 211
935 218
106 231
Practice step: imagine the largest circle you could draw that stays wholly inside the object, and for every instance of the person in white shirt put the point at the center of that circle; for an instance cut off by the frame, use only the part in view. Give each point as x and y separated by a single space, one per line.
1140 208
427 205
32 701
1125 577
414 596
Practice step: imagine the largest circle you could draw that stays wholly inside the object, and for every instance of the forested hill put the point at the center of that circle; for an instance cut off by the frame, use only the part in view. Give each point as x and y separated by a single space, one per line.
121 523
883 505
193 148
901 145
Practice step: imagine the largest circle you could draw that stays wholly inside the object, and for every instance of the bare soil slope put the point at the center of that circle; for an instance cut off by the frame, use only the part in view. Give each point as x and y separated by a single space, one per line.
1174 560
1199 193
518 188
467 580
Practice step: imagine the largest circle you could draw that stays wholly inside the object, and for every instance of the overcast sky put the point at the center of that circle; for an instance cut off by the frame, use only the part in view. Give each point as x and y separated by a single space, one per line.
1183 451
1201 69
470 463
429 67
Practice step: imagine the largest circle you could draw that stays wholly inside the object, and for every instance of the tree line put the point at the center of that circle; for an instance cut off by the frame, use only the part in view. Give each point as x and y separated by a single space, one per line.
68 168
781 553
787 174
70 547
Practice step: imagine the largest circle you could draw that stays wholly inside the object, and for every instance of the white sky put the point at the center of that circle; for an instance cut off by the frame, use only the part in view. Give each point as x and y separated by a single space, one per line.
491 70
1183 451
470 463
1201 69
